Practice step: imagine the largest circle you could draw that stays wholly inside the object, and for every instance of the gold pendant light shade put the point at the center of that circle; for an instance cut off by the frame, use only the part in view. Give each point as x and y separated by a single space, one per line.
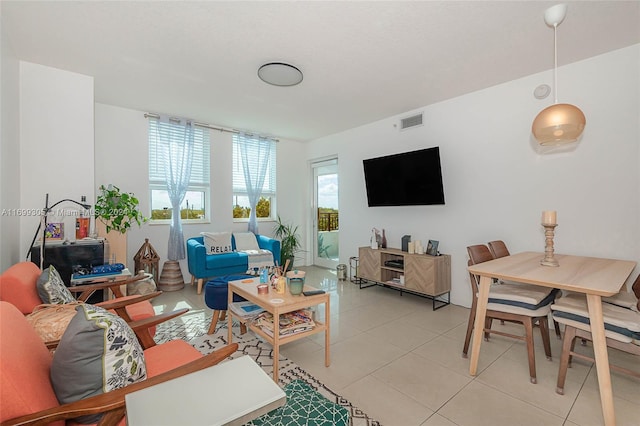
558 123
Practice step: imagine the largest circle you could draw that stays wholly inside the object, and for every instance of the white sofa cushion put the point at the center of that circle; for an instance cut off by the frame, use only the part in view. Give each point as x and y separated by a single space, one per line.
246 241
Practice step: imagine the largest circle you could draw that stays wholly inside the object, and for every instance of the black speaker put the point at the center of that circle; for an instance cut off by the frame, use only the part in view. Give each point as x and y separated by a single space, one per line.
405 242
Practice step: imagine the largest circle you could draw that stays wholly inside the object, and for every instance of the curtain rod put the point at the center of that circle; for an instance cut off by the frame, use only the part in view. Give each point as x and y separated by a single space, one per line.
209 126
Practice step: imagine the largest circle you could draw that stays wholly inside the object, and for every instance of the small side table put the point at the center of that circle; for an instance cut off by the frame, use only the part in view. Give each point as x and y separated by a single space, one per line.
246 392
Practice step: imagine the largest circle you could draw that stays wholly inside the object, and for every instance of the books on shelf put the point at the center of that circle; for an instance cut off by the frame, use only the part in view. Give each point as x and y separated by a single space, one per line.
396 281
290 323
246 310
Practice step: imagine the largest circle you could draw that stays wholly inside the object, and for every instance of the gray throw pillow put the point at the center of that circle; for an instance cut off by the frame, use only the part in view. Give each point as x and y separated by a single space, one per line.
97 353
51 288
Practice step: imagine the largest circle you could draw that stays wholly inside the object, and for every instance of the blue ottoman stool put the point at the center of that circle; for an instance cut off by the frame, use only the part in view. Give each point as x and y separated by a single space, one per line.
216 297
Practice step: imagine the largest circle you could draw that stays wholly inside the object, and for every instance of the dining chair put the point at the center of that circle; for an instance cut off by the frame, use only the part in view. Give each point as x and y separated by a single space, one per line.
499 249
622 330
525 304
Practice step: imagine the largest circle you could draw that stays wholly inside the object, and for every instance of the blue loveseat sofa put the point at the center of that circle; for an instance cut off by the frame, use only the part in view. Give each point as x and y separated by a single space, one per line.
203 265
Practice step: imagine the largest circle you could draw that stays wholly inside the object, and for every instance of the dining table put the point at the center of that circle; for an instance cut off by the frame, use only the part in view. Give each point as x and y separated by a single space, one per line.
595 277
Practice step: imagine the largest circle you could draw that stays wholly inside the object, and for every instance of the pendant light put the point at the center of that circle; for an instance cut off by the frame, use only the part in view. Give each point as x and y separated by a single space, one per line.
559 123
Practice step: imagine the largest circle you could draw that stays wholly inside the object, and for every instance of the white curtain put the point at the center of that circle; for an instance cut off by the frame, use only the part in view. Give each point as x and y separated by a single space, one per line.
176 143
255 153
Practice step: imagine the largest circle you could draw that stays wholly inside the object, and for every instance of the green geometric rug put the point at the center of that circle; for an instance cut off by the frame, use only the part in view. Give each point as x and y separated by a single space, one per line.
262 353
304 406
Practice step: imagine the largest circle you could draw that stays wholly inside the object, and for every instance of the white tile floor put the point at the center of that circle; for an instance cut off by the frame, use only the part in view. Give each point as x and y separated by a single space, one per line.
400 362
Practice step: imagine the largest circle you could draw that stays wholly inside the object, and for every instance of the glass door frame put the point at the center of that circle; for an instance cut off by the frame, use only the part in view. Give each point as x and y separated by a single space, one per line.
315 166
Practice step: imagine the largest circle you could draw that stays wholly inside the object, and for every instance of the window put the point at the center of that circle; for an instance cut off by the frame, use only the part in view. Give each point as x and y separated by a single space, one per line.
195 206
265 208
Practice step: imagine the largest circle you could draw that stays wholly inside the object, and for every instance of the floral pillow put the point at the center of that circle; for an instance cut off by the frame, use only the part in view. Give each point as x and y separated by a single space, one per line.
97 353
51 288
217 242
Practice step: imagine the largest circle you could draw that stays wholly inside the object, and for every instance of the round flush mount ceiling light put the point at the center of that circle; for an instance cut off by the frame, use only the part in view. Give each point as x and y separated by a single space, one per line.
280 74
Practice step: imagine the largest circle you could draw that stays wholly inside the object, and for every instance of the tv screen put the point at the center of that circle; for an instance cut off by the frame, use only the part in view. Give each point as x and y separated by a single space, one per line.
407 179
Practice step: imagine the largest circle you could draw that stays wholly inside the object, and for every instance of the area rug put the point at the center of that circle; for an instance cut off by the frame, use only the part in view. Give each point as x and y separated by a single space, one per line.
192 328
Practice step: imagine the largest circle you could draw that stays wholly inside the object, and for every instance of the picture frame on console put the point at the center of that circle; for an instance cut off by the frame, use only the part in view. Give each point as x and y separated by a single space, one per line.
432 247
55 231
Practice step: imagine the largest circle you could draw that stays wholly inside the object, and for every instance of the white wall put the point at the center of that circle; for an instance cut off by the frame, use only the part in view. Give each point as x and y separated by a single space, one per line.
9 156
496 183
122 160
56 143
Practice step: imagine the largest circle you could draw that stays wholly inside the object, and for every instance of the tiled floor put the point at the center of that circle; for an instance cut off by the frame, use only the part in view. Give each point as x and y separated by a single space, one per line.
401 362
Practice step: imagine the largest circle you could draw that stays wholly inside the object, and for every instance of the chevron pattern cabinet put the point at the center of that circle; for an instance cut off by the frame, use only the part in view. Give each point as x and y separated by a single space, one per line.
415 273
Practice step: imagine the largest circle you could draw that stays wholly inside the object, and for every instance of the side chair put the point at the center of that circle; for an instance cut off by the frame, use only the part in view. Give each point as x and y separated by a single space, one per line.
499 249
27 395
511 302
18 287
621 322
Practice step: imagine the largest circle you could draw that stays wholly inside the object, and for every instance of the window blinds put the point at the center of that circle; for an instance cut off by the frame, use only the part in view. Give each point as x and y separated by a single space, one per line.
167 130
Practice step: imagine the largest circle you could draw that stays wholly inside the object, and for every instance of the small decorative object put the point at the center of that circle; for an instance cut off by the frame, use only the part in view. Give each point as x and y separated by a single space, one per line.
263 289
171 277
432 247
376 239
405 242
383 244
54 231
147 260
281 284
341 272
549 222
295 279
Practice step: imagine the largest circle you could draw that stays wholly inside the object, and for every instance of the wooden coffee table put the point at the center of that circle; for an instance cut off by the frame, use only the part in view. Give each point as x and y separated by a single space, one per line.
278 304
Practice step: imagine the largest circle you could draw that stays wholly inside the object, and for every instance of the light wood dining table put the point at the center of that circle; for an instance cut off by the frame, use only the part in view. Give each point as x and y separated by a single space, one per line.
592 276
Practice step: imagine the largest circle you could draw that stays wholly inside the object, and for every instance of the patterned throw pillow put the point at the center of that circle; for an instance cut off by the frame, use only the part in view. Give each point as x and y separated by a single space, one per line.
217 242
97 353
51 288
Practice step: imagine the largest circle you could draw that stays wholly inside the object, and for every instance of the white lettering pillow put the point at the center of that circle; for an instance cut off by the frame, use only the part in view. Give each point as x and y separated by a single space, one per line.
245 241
217 242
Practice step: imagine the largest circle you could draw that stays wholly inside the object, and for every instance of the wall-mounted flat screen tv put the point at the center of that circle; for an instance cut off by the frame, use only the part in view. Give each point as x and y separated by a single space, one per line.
407 179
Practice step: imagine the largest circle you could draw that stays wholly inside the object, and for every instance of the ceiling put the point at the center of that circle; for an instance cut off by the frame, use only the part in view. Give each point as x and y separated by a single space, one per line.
362 61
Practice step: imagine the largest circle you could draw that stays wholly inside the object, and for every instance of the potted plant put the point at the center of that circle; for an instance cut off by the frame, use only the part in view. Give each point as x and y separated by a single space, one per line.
290 242
118 210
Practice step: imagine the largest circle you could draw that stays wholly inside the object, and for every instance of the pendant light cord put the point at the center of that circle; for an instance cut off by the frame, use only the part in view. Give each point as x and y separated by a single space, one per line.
555 63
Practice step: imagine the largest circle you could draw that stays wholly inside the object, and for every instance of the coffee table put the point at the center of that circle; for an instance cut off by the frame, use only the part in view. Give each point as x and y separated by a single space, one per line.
278 304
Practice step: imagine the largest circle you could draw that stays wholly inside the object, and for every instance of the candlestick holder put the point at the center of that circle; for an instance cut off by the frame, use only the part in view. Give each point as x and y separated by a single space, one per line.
548 259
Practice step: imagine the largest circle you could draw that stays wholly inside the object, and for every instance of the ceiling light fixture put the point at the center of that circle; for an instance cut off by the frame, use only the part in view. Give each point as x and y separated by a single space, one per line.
559 123
280 74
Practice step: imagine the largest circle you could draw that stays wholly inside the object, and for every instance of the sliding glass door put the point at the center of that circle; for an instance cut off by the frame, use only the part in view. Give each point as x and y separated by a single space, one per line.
326 223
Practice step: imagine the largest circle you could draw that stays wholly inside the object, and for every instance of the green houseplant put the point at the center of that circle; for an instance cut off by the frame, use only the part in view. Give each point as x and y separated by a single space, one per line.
118 210
290 242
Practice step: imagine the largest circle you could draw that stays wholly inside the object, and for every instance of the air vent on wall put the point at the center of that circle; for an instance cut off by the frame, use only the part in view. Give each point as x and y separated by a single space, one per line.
409 122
